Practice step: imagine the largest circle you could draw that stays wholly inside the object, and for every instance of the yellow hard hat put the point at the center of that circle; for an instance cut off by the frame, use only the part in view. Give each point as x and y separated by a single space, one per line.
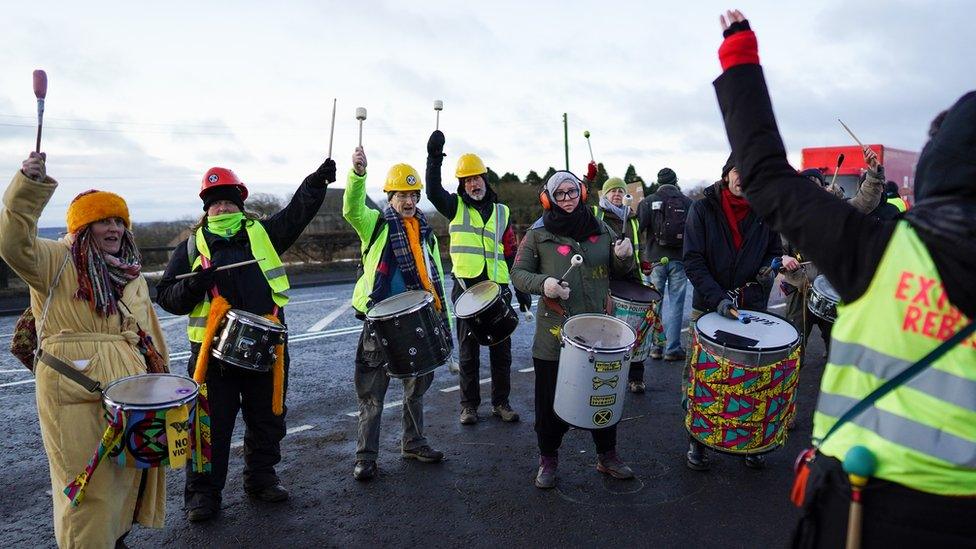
469 164
402 177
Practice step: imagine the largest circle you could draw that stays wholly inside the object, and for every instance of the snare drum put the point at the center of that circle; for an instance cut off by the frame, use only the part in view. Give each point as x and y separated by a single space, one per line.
823 299
490 318
411 334
248 341
637 305
743 382
158 412
593 366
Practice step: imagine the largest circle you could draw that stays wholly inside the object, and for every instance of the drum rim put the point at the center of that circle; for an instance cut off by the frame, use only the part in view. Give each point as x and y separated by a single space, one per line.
766 350
609 350
496 297
156 405
636 284
428 299
822 292
249 319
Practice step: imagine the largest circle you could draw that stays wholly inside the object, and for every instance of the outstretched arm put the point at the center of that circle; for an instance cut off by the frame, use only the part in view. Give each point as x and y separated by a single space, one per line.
444 201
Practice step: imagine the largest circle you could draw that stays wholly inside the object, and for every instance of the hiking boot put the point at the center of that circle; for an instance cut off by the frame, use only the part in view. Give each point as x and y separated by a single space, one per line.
675 357
546 477
203 512
756 461
637 386
424 454
505 412
364 470
697 459
657 353
275 493
611 464
469 416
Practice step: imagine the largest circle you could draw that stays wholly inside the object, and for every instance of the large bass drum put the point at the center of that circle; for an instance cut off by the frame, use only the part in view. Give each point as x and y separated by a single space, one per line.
490 319
411 334
638 306
248 341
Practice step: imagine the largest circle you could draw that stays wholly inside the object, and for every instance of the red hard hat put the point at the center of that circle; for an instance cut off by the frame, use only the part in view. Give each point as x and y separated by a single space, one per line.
218 177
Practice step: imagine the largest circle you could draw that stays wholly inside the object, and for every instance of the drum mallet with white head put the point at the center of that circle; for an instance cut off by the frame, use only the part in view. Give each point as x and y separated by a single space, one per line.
576 261
360 115
438 106
586 134
40 92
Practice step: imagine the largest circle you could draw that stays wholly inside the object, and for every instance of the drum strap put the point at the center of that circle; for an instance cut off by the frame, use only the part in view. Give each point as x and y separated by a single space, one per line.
69 372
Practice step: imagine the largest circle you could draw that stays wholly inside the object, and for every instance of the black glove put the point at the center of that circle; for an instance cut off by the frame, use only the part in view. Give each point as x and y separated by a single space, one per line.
435 145
736 27
324 175
725 308
203 281
524 301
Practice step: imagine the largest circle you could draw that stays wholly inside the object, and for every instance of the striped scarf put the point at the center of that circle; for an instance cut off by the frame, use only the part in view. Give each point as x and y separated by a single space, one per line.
102 276
399 250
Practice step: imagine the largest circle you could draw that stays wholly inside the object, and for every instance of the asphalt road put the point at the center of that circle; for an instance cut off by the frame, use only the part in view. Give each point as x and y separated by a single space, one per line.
481 495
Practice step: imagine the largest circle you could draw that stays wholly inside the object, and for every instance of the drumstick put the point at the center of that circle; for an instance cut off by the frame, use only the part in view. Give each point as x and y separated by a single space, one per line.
576 261
743 318
858 141
332 130
859 464
438 106
586 134
628 200
840 160
40 92
222 268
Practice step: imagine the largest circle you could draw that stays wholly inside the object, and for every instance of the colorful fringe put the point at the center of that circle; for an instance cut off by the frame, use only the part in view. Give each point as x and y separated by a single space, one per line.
200 450
101 282
111 439
278 377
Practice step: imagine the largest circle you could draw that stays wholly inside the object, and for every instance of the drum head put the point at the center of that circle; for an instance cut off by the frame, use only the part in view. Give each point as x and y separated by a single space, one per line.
254 320
403 303
822 285
598 332
476 298
632 291
765 332
150 391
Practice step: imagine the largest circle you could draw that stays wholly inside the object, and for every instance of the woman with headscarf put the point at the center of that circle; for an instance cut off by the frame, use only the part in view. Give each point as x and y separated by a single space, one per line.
98 320
567 228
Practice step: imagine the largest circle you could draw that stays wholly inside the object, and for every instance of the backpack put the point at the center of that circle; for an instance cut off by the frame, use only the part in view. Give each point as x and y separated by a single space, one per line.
670 213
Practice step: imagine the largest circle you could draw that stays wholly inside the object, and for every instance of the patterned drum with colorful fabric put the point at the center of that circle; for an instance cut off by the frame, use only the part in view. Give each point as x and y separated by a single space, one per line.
638 305
742 391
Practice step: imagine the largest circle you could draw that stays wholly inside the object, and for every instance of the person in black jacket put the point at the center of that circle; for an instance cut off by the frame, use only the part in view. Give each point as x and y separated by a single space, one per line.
728 253
228 234
475 197
941 229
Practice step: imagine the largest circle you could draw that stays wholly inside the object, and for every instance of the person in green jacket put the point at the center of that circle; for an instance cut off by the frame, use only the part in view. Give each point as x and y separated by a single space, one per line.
391 241
565 229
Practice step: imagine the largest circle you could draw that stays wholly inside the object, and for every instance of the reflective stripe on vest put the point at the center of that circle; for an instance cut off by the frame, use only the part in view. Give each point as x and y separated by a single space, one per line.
635 239
473 243
923 432
271 267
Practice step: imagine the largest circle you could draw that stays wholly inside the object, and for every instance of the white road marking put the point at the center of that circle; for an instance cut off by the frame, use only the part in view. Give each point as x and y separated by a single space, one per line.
527 370
458 387
17 371
172 321
297 339
17 383
390 404
291 431
318 326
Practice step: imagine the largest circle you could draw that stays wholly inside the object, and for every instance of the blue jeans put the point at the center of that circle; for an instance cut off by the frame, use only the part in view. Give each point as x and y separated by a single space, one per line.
673 276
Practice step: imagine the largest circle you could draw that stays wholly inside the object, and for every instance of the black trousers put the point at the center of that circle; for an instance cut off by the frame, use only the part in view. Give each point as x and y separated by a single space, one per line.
231 390
636 371
548 427
894 516
469 351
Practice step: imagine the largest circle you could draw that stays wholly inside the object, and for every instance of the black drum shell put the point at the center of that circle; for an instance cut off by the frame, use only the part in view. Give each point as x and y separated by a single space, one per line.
248 341
493 323
414 342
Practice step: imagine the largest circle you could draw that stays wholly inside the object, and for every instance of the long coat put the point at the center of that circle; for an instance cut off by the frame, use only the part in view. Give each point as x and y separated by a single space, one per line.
71 418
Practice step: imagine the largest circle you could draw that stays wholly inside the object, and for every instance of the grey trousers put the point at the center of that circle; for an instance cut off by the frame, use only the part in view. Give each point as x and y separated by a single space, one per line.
371 384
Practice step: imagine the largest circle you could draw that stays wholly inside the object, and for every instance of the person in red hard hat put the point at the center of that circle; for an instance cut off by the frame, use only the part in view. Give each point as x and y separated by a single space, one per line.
228 234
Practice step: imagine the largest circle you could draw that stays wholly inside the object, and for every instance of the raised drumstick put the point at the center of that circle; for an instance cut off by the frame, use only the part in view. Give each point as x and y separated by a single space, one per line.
628 200
40 92
438 106
856 140
332 128
360 115
586 134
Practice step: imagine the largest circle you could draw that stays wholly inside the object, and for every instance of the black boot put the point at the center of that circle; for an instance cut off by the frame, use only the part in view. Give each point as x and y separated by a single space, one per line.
697 459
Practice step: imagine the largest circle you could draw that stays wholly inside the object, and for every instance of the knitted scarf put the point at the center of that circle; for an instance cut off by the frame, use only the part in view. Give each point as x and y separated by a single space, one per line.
736 208
401 251
102 276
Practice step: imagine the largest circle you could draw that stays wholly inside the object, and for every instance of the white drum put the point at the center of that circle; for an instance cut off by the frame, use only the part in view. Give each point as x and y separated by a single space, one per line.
593 366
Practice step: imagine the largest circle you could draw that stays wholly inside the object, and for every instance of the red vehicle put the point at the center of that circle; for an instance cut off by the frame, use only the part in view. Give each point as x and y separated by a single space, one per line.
899 166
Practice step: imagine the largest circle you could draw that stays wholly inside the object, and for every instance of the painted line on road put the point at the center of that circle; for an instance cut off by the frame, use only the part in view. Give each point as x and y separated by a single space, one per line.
172 321
297 339
291 431
164 321
458 387
527 370
390 404
17 383
318 326
18 371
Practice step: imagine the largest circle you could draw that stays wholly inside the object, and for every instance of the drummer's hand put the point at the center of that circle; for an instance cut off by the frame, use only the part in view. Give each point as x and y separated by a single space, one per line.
554 288
623 248
33 166
647 267
359 161
725 308
435 145
204 279
790 263
524 301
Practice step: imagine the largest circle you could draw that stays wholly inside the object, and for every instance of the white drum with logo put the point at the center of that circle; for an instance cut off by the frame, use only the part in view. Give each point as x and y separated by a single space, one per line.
593 366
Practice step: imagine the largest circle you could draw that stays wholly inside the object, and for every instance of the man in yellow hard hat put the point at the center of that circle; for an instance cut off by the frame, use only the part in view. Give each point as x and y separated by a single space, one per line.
474 214
399 254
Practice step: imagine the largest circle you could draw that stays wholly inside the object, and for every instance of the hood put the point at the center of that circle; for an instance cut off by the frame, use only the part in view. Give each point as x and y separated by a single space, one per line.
947 165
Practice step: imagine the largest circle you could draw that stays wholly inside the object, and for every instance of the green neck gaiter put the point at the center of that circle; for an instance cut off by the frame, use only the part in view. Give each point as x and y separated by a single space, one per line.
225 225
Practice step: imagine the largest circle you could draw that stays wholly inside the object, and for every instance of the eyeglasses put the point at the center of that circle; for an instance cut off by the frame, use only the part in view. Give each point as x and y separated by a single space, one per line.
414 196
565 195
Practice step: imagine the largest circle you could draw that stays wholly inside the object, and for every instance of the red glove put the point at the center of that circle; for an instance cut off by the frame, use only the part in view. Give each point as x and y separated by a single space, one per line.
591 171
739 47
646 267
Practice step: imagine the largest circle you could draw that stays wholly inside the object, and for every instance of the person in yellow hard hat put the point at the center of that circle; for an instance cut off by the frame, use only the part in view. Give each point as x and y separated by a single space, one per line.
394 261
483 246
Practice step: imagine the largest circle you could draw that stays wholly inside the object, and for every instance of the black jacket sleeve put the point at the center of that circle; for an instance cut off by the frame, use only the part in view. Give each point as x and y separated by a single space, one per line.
286 226
845 244
696 266
175 296
445 202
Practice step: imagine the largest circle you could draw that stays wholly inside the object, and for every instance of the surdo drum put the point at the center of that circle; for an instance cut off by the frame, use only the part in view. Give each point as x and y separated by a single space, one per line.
743 384
490 318
635 304
248 341
411 334
823 299
593 366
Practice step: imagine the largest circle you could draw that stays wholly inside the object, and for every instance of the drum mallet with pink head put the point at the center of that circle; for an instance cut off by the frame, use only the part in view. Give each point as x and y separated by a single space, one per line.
586 134
438 107
40 92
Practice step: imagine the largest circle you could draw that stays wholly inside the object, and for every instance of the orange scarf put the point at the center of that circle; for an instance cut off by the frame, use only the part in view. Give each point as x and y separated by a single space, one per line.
412 226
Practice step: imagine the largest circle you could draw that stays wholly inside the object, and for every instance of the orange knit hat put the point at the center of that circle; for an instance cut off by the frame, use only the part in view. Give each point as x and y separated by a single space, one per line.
94 205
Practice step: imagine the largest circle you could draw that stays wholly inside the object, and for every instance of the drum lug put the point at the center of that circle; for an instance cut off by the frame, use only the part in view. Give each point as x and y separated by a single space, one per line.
591 357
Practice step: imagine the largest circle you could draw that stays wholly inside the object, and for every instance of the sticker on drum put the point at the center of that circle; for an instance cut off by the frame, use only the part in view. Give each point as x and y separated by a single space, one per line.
476 298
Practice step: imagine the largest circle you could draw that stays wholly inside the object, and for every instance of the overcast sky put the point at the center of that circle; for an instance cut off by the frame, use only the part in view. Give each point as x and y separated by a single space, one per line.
144 98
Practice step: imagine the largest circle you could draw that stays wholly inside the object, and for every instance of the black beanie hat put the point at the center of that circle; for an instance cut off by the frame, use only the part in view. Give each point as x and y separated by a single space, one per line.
729 164
815 174
667 177
222 192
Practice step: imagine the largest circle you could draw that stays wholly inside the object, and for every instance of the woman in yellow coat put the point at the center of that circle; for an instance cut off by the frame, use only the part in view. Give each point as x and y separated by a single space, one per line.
89 271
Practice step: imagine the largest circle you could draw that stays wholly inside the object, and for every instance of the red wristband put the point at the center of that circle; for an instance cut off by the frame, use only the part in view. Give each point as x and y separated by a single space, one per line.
739 49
